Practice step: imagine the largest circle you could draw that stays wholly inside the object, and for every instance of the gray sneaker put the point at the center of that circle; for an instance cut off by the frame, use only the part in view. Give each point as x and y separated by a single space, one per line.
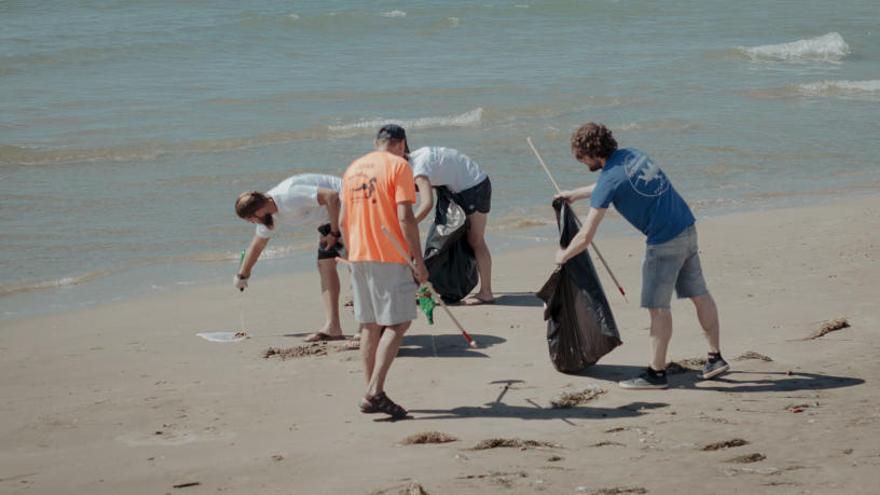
649 379
714 366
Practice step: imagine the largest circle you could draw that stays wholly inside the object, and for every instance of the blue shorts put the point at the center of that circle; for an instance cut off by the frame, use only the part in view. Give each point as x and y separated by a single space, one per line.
672 264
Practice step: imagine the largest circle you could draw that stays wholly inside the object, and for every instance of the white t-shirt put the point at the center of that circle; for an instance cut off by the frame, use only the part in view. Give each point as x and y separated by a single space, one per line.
297 202
446 167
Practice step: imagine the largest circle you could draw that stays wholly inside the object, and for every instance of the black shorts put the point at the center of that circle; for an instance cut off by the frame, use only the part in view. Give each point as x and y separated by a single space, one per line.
475 199
328 254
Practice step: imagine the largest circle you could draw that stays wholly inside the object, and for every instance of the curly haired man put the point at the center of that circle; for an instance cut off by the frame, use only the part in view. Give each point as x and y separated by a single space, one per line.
643 195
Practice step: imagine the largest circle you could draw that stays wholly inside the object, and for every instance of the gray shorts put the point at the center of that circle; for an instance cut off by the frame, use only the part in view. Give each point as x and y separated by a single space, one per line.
674 263
383 293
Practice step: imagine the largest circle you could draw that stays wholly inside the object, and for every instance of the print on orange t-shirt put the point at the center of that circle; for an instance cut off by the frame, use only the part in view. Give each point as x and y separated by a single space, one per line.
372 187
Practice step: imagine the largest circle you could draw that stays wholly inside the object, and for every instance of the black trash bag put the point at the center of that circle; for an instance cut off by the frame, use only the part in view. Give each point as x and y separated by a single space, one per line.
580 326
452 266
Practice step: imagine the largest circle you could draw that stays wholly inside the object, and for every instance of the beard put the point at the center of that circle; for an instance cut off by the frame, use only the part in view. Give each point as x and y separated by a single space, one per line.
595 167
267 220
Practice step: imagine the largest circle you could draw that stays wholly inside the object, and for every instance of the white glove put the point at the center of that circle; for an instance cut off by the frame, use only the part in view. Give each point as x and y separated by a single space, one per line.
240 283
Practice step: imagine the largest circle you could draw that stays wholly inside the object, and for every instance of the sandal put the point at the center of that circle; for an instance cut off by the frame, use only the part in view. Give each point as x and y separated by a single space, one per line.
367 407
381 403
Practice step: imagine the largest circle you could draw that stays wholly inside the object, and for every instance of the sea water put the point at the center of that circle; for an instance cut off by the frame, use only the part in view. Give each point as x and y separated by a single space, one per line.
128 127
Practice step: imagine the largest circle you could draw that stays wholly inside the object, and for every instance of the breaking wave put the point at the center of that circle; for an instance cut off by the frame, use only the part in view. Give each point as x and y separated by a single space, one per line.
827 48
470 118
841 88
394 13
851 90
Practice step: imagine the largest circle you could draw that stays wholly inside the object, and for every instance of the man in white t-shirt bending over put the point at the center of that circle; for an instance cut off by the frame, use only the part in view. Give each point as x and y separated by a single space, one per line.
306 200
472 190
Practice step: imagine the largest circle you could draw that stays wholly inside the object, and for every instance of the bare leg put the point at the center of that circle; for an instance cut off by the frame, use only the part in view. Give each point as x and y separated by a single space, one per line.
388 345
477 240
707 313
661 334
370 335
330 298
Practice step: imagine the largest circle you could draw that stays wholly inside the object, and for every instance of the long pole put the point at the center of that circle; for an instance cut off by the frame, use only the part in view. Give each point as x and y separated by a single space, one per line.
593 244
471 342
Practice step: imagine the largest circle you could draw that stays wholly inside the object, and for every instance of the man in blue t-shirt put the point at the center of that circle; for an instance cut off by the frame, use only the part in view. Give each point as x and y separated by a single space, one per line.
642 194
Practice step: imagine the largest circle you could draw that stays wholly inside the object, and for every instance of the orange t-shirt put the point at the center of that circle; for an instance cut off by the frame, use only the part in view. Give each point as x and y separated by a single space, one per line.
372 187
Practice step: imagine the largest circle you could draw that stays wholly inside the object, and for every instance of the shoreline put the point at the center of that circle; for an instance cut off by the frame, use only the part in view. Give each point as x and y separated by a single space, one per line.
149 280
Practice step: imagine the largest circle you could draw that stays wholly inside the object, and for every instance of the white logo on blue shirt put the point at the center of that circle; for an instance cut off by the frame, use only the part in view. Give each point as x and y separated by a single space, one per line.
645 176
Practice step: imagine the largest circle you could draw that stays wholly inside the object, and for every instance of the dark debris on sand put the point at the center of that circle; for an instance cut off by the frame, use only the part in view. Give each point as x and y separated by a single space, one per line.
607 443
567 400
428 437
494 443
410 488
506 480
828 327
752 355
736 442
313 349
748 458
619 490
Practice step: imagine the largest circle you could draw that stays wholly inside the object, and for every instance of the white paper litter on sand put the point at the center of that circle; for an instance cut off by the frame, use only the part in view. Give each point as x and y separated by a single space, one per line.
223 336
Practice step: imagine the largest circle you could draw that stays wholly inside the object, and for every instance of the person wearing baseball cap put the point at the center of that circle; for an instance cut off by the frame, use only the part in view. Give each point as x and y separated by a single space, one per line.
393 132
377 196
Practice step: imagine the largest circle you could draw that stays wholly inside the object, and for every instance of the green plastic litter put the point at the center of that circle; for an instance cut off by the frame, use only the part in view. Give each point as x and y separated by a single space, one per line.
427 304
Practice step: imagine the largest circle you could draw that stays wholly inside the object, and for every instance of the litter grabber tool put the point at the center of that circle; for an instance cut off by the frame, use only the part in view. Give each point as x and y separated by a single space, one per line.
427 285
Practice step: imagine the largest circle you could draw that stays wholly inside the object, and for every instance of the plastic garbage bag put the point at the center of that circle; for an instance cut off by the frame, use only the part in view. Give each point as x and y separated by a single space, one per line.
452 267
580 325
224 336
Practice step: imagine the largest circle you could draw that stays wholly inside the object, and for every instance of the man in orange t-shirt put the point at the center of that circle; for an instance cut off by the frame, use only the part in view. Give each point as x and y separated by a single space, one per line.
378 192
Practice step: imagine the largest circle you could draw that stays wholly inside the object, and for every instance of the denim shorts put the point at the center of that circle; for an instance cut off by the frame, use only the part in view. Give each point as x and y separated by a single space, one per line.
672 264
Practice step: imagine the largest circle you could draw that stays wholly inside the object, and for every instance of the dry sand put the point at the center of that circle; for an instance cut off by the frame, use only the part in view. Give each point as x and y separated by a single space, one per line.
124 398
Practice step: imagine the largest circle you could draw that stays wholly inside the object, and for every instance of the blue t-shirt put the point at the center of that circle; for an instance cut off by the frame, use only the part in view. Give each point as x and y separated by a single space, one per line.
642 193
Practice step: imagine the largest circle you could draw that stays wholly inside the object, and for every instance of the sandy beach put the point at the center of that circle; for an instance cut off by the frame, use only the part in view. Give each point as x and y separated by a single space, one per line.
125 398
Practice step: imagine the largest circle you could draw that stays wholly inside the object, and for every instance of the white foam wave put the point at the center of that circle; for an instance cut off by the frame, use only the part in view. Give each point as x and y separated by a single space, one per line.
830 47
469 118
293 17
453 21
394 13
841 88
